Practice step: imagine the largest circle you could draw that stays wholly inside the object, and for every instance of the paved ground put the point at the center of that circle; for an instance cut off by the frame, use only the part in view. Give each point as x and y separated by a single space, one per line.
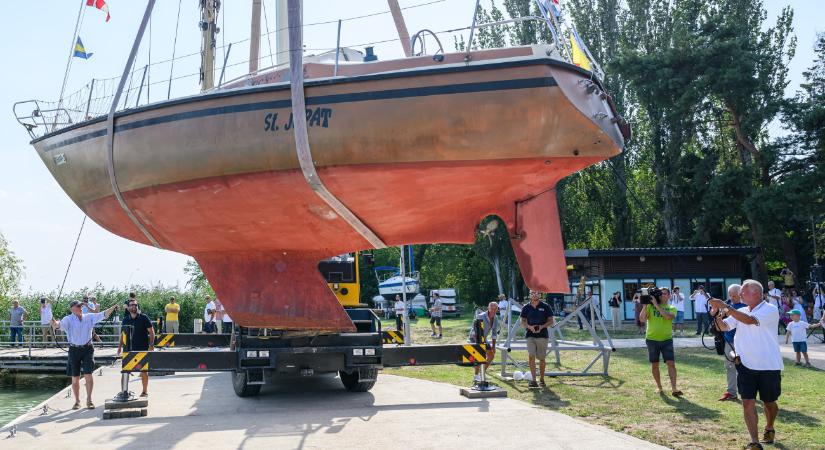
200 410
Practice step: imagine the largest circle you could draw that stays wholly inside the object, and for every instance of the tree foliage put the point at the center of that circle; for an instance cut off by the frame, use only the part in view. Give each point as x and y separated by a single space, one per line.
11 271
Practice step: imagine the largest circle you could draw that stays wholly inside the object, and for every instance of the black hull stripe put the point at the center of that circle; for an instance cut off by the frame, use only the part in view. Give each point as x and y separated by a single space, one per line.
502 85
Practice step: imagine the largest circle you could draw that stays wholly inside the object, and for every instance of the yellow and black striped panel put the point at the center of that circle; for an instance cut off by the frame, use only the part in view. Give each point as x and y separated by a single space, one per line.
134 362
165 340
392 337
473 353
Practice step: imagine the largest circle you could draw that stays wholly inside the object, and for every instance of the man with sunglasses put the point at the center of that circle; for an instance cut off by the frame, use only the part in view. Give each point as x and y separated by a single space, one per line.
141 337
78 328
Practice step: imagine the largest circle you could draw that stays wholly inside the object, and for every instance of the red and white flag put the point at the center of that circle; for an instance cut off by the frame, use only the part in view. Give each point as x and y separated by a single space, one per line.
101 5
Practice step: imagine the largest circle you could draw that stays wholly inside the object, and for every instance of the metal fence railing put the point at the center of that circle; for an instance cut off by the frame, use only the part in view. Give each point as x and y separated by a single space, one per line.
36 336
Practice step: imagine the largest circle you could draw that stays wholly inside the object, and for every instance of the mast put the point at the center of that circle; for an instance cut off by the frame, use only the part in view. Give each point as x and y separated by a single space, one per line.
255 37
401 26
208 26
282 32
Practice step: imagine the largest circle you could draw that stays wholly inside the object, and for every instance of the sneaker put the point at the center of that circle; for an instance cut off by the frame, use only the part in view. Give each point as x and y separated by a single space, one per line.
542 383
727 396
768 436
440 336
533 385
754 446
432 335
808 364
76 405
797 363
477 378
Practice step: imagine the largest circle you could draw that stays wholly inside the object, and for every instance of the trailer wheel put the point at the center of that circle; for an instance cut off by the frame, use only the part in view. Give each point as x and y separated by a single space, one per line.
242 389
350 380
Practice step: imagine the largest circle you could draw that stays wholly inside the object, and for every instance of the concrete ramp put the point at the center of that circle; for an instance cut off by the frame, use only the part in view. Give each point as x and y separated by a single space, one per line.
199 410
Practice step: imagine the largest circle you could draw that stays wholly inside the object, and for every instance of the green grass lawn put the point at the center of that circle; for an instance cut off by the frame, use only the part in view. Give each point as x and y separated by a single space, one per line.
626 401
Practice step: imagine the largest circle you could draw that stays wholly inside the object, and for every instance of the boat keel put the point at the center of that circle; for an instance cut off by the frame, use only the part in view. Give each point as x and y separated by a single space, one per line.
538 243
279 290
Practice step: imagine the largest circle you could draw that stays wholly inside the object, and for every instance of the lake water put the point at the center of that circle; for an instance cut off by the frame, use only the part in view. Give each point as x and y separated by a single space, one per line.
20 393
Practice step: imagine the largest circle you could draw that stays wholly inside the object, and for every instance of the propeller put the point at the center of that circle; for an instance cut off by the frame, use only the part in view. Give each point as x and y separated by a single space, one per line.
489 229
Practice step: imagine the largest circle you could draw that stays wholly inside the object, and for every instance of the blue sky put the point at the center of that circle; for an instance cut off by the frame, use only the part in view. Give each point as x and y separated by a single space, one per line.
39 219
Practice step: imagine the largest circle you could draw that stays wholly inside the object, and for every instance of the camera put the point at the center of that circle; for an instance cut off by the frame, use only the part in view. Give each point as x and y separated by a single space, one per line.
647 294
718 335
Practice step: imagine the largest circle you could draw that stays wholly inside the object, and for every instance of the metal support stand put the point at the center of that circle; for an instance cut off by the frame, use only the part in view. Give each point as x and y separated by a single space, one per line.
558 344
482 388
124 404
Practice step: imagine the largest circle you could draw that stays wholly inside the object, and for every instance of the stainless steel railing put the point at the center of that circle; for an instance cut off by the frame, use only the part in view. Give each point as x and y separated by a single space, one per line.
36 336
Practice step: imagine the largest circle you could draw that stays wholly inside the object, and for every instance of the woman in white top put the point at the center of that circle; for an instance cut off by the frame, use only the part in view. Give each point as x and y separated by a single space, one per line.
819 303
797 304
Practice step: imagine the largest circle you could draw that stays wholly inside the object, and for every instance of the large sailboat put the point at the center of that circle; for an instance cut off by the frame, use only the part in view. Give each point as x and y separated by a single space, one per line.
261 178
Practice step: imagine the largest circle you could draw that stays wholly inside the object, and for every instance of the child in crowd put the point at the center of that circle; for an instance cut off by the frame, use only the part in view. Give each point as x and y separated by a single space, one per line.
798 330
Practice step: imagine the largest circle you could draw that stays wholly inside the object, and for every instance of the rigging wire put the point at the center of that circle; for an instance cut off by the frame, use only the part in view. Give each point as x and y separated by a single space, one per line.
174 49
80 14
268 40
65 275
149 65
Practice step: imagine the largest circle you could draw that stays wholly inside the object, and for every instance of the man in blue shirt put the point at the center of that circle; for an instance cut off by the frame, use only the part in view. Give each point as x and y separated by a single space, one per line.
78 328
536 317
735 303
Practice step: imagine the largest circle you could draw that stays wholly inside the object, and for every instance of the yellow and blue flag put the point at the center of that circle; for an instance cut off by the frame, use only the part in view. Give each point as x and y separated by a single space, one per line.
80 50
577 48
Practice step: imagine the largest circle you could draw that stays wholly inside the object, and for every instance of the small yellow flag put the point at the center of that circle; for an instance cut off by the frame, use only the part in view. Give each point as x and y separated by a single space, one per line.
579 58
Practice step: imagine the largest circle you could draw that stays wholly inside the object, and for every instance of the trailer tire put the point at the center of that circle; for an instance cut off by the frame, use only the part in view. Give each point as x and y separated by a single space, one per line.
242 389
351 380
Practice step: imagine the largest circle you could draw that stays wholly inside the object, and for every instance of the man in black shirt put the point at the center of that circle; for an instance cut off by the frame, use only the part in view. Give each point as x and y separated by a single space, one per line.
141 337
536 318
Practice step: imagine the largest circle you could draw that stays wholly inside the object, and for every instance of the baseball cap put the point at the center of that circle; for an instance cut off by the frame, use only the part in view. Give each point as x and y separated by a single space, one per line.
74 303
794 312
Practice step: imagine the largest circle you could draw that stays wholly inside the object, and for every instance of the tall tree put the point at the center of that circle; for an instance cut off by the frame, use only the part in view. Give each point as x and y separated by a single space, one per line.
657 58
746 69
11 271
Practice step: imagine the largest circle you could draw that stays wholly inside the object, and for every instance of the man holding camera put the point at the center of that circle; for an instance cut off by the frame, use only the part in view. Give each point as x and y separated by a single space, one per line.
734 302
758 361
658 315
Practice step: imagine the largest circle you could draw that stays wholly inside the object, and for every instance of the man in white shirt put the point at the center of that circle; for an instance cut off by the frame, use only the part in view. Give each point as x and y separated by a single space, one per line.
677 300
759 359
503 307
435 315
46 319
399 313
209 316
226 323
774 294
700 307
78 328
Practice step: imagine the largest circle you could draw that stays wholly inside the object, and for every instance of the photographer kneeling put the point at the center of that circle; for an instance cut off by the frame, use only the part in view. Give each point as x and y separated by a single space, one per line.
759 362
658 315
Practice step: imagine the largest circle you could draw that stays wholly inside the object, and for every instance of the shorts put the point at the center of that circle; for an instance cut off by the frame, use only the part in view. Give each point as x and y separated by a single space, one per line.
80 357
800 347
435 320
654 348
767 382
680 317
537 347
